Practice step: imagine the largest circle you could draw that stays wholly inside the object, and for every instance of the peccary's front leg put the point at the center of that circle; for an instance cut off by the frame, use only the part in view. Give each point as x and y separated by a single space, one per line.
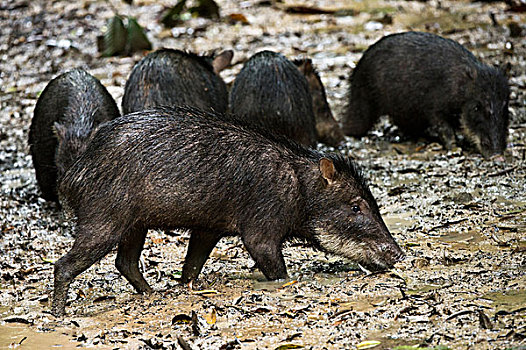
266 252
440 129
91 244
201 245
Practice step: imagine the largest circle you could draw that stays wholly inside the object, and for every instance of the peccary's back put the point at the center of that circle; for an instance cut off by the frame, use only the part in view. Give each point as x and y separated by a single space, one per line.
73 95
188 166
408 73
271 91
174 78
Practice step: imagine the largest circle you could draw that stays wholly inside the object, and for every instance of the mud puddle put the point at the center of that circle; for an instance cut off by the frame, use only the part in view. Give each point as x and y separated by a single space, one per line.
397 223
460 219
23 337
509 300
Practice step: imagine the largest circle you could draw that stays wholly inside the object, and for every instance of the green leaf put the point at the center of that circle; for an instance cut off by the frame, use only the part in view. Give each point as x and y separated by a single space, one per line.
368 344
47 260
137 39
172 16
413 347
206 8
115 37
289 346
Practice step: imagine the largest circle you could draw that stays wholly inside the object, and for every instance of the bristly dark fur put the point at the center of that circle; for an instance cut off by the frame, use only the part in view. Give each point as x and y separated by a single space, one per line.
342 163
271 91
205 60
346 165
169 77
76 102
239 122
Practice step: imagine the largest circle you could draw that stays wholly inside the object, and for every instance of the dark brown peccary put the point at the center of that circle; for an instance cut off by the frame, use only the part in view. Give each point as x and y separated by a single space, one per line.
65 116
270 91
429 86
184 168
171 78
327 128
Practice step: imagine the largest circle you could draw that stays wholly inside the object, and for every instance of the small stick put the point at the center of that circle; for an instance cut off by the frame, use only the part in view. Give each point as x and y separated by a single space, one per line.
503 172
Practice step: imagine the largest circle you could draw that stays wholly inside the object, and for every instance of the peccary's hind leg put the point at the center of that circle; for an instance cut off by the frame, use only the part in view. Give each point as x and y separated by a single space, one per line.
266 252
92 243
201 245
127 262
360 114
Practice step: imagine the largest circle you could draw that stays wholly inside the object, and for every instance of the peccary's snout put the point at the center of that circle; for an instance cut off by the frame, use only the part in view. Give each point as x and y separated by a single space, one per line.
393 254
386 255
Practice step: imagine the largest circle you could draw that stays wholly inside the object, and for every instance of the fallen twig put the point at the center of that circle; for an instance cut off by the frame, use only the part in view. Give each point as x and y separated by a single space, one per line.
182 343
446 224
503 172
460 313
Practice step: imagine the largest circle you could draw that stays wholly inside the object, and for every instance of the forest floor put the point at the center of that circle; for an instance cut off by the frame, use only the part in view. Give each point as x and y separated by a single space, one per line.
460 219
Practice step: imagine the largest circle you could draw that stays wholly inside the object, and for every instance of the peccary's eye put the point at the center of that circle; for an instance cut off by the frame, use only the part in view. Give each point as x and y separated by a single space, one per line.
476 108
355 208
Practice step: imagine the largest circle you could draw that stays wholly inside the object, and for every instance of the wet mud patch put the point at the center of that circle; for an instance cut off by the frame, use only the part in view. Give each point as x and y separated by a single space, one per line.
460 219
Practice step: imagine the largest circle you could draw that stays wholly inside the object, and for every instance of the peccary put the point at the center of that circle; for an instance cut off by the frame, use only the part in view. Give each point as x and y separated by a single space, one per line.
327 129
169 77
429 86
271 92
66 115
184 168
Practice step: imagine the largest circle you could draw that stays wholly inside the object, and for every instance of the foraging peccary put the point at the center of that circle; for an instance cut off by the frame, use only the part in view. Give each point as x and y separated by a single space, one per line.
327 129
270 91
212 174
171 78
66 114
429 85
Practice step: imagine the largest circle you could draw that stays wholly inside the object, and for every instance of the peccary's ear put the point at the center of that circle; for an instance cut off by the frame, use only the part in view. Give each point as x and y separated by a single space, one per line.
222 60
304 65
60 131
327 170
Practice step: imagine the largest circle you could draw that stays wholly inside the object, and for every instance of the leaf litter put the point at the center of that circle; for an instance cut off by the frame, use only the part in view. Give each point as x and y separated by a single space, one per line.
461 219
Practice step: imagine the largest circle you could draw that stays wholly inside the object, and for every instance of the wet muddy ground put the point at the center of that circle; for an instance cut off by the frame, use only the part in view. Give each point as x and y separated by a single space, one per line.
461 219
